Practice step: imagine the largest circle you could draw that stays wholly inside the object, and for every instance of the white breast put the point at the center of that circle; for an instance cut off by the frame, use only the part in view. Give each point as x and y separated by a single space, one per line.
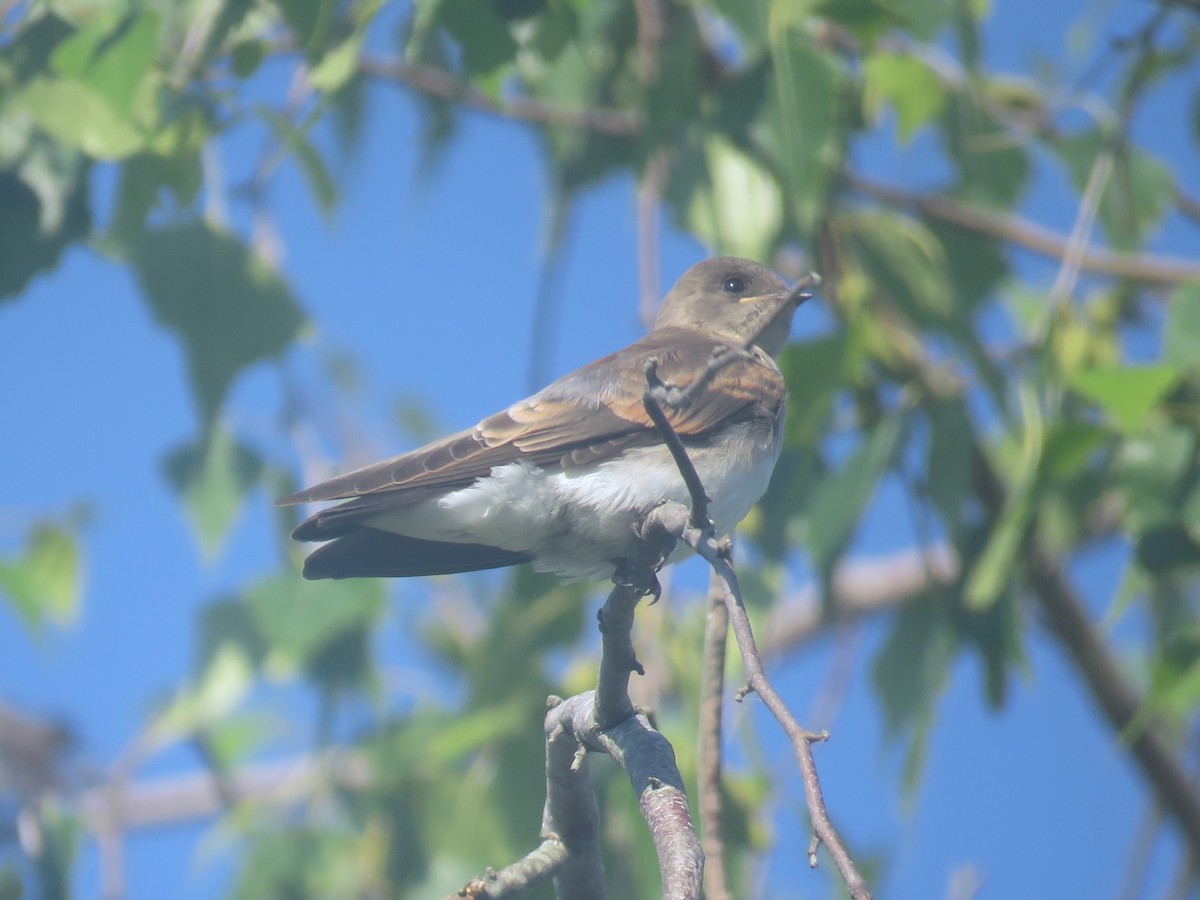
576 522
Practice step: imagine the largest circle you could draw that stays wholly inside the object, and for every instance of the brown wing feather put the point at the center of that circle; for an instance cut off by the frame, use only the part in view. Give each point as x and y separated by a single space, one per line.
585 417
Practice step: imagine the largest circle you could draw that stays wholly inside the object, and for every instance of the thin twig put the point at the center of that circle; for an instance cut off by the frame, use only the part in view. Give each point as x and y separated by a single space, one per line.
447 86
533 868
800 739
679 453
708 749
1081 231
677 521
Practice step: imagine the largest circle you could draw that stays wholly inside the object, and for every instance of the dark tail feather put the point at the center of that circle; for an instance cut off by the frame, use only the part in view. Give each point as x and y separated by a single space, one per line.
371 553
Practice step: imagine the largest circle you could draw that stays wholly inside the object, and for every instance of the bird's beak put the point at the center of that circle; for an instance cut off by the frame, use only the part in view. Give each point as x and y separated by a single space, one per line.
758 298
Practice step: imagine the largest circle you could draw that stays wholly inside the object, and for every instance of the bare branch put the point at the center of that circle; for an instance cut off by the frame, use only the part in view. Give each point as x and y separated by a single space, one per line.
800 739
708 751
860 587
1154 270
534 868
160 801
649 762
447 86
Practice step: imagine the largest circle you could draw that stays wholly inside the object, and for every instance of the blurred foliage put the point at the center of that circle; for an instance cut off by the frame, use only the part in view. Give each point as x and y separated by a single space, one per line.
758 110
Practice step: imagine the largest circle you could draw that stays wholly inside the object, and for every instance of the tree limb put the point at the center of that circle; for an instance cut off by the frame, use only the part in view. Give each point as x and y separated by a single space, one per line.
1069 622
708 749
1161 271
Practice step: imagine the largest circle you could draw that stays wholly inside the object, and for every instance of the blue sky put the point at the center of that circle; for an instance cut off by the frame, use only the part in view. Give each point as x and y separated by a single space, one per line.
429 282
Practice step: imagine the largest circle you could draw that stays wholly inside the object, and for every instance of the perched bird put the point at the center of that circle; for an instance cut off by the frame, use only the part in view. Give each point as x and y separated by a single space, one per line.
562 478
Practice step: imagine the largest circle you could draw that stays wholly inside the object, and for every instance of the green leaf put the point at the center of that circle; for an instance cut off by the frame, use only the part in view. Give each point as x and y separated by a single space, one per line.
228 307
242 56
337 66
904 260
1070 446
219 690
80 117
1181 334
228 623
975 263
112 61
299 618
815 371
309 21
994 568
46 582
142 188
993 166
30 241
1128 394
1166 548
246 57
212 478
312 165
910 674
484 37
996 633
950 458
1139 195
866 19
750 21
908 85
741 212
924 19
797 474
61 835
1151 469
842 497
29 54
803 118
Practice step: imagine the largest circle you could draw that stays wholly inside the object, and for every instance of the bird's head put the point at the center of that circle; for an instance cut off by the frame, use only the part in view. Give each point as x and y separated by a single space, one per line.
733 297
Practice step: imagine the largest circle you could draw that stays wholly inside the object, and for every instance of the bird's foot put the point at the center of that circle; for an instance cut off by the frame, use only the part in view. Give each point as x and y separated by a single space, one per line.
639 576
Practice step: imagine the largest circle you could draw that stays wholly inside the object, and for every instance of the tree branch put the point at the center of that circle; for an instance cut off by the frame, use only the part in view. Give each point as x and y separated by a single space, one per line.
708 750
1119 700
535 867
443 85
1149 269
1162 271
860 587
649 762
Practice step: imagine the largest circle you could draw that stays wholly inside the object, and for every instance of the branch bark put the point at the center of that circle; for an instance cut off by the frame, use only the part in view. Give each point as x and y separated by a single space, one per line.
708 750
1163 271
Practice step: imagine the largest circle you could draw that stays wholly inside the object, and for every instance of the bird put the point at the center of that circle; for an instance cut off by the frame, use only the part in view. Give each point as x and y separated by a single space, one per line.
563 479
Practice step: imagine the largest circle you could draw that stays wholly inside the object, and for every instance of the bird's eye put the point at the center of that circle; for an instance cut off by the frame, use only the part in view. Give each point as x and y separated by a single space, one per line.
734 284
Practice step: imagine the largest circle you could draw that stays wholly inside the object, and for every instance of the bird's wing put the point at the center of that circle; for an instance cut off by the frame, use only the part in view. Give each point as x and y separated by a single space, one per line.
584 417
